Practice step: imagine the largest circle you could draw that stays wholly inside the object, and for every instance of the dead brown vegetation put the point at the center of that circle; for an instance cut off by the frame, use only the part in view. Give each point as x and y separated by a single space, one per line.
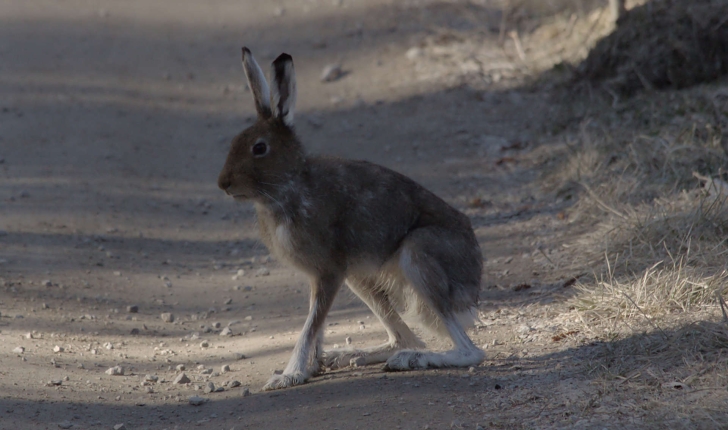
663 43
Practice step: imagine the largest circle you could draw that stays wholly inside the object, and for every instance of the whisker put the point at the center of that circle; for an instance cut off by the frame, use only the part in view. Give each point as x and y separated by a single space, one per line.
283 208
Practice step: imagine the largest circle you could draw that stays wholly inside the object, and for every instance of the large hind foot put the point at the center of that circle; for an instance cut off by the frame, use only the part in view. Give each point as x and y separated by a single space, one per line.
341 358
413 360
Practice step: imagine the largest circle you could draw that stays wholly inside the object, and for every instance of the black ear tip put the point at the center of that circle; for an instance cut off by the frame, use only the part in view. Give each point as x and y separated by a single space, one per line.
246 51
283 58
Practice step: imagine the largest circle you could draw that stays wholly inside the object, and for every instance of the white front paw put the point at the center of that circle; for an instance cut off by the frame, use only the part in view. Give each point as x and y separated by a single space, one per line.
284 381
406 360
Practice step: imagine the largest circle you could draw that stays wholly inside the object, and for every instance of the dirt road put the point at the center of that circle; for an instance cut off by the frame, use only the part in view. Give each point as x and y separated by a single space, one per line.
115 118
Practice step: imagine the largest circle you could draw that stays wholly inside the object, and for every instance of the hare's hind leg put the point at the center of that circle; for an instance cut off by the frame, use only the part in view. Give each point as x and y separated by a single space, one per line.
443 269
400 335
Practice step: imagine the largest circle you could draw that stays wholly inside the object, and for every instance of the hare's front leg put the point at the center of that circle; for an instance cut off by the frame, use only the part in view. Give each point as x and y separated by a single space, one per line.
303 362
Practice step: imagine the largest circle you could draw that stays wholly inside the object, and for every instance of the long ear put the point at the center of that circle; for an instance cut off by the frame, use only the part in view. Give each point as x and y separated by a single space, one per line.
283 91
257 83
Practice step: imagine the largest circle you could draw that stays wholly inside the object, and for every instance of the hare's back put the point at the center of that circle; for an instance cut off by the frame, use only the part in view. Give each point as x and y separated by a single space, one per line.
366 196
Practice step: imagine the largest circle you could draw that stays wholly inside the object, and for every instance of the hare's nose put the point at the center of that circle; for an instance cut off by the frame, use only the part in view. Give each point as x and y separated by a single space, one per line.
224 183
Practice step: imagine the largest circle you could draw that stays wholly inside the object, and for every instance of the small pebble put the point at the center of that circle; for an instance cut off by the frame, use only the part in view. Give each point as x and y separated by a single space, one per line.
180 367
240 273
239 356
115 371
57 348
151 378
315 121
55 382
331 73
263 271
65 425
134 331
46 283
225 368
19 350
226 332
167 317
121 426
348 340
197 400
204 344
216 325
232 384
132 309
245 392
414 53
181 379
209 387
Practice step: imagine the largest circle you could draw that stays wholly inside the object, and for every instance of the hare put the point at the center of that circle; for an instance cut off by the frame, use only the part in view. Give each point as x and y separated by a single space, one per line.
399 247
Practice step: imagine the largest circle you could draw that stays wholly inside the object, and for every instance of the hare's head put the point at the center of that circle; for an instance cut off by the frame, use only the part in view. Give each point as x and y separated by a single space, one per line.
267 154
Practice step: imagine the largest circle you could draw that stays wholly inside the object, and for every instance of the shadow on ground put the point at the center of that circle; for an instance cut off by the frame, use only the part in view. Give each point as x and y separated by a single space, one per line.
512 393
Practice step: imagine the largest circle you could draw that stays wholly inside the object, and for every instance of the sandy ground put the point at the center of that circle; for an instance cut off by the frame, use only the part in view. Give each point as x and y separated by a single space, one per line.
115 119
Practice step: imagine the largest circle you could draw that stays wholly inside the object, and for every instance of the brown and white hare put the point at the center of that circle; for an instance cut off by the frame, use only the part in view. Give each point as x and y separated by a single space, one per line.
399 247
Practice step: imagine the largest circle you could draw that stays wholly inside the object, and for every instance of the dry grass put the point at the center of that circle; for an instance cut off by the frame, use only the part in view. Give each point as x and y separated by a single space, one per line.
688 227
661 332
506 43
658 253
663 43
656 292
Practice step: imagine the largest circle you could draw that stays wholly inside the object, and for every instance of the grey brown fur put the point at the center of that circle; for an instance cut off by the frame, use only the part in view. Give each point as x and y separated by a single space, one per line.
399 247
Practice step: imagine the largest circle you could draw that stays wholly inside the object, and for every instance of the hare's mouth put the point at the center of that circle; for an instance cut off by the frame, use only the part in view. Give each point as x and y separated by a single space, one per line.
240 196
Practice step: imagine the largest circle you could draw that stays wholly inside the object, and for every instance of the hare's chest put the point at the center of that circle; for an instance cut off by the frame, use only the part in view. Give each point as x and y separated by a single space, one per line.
283 240
280 240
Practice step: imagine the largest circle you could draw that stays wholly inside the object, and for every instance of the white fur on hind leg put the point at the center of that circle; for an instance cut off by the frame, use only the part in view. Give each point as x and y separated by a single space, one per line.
413 360
340 358
407 360
463 355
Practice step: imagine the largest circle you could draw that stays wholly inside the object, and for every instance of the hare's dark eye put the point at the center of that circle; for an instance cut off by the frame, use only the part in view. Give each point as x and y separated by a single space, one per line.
260 149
